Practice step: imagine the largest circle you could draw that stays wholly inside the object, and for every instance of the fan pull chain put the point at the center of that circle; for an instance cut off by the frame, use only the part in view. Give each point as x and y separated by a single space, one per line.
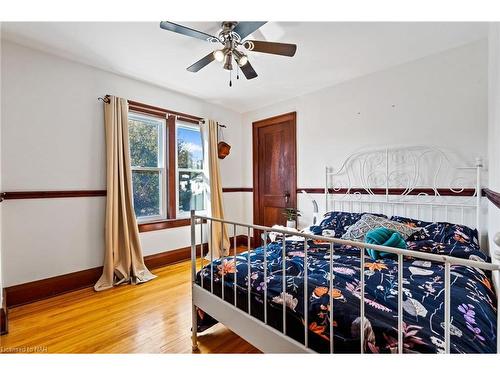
230 82
237 71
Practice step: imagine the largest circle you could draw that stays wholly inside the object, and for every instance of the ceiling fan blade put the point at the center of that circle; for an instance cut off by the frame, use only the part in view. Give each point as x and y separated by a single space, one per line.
184 30
248 71
244 29
201 63
274 48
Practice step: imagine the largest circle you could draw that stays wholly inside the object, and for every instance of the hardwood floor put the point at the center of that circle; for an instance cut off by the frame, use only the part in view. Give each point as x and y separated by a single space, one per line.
154 317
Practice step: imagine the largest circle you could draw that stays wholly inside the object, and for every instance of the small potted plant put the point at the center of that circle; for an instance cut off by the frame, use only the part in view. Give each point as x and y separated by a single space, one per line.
291 215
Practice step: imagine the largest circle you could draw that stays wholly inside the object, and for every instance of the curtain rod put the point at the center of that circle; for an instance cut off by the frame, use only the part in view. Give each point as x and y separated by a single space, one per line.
221 125
105 99
152 109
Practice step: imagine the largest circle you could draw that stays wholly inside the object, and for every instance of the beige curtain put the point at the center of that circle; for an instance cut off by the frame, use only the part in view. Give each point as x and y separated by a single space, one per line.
123 260
220 245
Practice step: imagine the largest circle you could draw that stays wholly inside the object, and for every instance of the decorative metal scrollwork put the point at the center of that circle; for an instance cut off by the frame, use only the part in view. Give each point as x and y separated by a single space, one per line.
413 175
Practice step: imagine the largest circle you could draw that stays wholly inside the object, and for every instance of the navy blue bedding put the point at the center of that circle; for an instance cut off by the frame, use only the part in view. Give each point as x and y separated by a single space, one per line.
473 301
338 221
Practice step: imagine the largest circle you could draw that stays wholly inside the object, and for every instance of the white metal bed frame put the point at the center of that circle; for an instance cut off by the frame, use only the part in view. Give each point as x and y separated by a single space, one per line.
269 339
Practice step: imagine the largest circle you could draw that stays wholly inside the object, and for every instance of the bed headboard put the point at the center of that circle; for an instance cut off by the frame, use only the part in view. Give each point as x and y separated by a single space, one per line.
415 181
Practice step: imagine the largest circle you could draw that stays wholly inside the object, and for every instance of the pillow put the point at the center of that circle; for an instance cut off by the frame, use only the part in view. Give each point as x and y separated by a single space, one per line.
385 237
409 221
443 232
338 221
358 231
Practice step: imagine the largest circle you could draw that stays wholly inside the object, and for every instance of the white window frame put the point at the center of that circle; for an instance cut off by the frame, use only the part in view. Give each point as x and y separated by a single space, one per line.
162 168
184 124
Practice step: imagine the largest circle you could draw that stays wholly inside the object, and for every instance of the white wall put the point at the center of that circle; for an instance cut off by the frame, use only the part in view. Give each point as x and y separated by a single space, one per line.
53 139
494 130
439 100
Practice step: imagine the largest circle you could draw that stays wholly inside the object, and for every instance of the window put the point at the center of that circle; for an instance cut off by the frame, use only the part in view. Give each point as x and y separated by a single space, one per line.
167 166
147 158
190 182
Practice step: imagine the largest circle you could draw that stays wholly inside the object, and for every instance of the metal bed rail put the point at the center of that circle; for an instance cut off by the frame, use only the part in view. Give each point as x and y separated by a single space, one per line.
447 260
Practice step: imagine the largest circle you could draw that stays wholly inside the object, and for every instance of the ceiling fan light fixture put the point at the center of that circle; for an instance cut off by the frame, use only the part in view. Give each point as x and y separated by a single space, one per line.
228 63
219 55
242 60
232 36
240 57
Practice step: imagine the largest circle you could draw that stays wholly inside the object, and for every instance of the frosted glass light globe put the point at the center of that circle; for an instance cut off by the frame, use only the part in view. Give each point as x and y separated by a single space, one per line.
243 60
219 55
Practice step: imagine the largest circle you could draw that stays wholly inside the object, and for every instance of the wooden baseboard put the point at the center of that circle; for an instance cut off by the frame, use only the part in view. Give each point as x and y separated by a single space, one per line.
4 315
33 291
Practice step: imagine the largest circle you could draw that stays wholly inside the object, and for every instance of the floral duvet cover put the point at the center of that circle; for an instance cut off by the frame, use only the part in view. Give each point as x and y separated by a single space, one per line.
473 301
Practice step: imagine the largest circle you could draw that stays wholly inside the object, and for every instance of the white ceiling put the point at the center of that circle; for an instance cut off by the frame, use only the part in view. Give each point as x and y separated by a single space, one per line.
327 53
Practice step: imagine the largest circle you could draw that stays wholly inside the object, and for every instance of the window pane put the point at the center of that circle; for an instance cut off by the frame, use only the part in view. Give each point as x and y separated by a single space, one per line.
191 192
147 193
189 147
145 135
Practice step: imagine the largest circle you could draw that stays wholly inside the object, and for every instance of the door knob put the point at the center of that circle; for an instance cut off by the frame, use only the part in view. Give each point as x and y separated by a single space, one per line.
287 197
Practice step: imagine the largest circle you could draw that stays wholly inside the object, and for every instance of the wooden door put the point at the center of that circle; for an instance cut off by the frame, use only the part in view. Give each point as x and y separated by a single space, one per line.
274 169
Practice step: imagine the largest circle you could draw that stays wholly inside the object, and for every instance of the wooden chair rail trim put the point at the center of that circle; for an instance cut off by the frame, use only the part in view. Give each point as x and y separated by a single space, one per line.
445 192
50 194
493 196
237 190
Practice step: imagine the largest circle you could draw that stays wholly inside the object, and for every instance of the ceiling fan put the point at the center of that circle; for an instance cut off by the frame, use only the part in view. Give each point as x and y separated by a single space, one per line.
234 47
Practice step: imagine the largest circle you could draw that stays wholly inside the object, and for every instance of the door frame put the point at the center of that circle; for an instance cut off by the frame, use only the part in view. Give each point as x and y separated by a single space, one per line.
256 125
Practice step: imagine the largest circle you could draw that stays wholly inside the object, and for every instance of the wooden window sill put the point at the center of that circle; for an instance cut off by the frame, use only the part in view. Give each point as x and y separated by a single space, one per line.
164 224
